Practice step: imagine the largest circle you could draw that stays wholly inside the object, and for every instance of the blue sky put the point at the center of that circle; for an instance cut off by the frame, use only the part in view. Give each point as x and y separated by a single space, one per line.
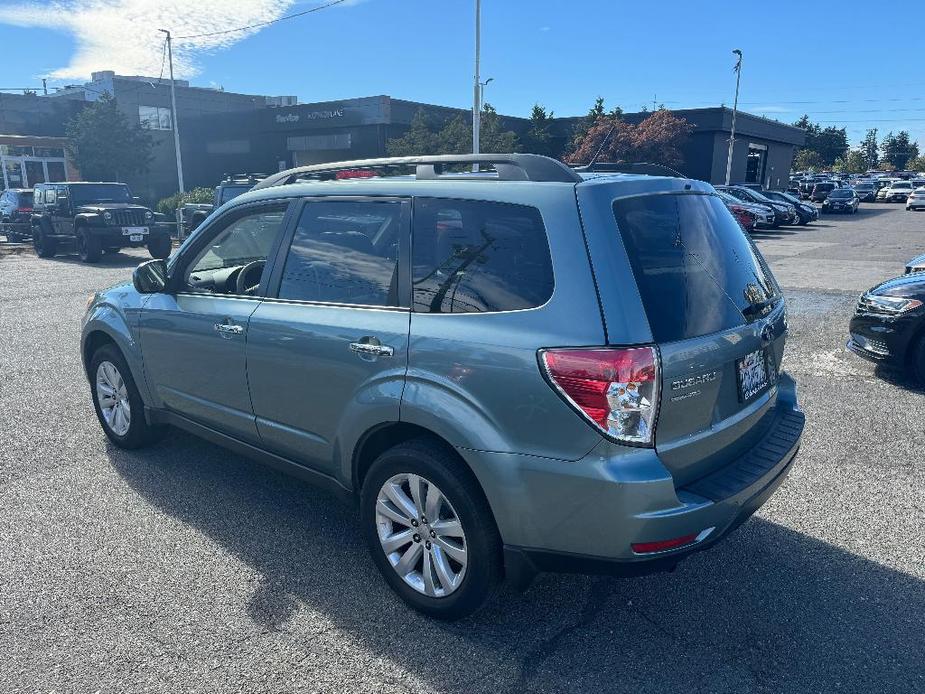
800 57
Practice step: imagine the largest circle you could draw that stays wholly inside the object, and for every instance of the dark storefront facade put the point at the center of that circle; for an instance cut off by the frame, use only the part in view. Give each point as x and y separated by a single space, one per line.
224 132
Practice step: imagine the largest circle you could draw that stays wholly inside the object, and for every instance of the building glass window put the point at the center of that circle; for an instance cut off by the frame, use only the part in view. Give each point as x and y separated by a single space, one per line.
55 152
154 117
754 164
56 171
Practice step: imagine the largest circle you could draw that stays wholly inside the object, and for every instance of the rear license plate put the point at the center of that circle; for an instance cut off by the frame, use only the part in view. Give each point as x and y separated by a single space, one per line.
134 231
753 374
136 237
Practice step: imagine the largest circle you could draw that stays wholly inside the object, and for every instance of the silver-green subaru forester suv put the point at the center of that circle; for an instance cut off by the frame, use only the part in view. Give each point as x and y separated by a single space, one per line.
530 368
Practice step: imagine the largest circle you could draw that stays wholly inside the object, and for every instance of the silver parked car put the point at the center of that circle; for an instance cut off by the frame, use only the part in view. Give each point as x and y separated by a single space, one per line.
531 368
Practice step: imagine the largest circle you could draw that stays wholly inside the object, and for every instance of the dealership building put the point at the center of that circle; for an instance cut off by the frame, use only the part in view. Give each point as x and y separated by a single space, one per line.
223 132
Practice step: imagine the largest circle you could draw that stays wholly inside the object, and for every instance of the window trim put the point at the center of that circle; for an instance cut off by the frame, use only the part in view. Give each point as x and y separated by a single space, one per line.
206 234
404 253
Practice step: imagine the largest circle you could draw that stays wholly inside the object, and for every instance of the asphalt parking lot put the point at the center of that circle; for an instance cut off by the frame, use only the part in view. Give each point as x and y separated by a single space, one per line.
186 568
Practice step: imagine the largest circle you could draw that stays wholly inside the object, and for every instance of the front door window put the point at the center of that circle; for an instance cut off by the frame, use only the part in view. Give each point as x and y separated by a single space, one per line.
235 260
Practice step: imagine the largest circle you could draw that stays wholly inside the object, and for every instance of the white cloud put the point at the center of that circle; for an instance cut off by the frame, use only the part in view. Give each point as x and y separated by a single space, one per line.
122 35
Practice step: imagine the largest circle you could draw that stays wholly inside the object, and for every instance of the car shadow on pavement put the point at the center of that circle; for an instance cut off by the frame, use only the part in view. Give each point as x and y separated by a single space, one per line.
107 260
769 609
898 378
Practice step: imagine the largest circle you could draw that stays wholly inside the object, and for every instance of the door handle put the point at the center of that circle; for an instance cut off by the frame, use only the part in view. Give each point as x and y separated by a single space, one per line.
372 349
229 328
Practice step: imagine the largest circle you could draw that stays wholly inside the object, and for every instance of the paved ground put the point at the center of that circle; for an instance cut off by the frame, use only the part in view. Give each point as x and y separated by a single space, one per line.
185 568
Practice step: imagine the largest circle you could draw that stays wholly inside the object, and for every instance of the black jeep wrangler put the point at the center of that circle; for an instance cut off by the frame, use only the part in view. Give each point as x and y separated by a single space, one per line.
94 217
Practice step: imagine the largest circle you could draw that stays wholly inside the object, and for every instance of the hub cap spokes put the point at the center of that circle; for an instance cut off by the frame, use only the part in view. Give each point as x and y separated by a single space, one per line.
112 395
421 535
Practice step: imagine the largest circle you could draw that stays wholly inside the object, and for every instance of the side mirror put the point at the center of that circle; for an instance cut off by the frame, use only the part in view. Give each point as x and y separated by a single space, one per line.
150 277
136 198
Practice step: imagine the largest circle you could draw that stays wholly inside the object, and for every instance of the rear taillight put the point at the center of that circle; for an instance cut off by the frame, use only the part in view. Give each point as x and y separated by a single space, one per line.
615 389
23 210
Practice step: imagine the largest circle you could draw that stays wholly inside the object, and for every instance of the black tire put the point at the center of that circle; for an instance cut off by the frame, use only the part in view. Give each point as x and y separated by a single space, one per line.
160 246
89 247
139 433
440 466
45 246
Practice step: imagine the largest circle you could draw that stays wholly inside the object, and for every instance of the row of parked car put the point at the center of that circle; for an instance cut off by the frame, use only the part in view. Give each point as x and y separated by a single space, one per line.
879 189
766 209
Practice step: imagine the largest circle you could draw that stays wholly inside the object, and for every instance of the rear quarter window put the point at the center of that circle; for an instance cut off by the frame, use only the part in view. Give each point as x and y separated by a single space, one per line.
476 257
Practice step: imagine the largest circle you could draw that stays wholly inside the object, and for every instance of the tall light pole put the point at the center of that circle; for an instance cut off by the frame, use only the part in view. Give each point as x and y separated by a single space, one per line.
173 113
477 86
735 108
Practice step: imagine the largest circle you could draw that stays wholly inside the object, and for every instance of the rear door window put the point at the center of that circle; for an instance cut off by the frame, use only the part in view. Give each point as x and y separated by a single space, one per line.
345 252
474 257
696 271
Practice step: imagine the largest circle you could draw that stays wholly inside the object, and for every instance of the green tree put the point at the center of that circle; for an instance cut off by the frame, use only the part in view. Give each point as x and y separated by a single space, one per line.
806 159
454 137
917 164
870 149
539 138
828 143
493 138
419 139
854 162
104 145
899 149
169 205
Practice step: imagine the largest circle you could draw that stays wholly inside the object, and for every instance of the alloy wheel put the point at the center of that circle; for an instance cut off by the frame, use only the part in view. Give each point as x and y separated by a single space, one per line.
421 535
112 396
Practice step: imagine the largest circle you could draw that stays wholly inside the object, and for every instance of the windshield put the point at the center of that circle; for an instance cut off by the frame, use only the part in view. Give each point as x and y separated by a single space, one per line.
789 198
825 186
903 184
864 186
229 192
696 270
755 195
100 192
25 199
841 194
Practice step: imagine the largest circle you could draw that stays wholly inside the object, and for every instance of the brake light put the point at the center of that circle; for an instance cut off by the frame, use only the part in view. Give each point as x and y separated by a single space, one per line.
616 389
24 209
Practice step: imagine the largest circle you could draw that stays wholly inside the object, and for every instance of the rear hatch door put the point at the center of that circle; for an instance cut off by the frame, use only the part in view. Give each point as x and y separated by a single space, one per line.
717 316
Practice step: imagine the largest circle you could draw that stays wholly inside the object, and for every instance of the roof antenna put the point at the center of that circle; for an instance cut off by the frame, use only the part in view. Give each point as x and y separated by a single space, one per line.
601 147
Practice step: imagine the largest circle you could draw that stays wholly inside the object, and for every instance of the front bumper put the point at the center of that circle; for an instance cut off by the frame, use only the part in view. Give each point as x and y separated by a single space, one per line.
118 236
882 339
584 516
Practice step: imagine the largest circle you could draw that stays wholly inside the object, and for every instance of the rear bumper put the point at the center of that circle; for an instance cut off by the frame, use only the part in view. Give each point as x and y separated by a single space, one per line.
584 516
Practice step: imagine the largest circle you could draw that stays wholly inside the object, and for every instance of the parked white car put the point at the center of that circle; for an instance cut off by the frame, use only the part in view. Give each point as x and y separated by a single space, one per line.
898 191
916 199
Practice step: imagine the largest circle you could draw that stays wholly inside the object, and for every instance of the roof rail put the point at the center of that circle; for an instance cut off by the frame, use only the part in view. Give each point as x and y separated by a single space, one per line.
637 168
510 167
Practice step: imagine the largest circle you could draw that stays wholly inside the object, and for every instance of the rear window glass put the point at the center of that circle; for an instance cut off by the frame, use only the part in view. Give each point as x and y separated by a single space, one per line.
696 271
473 257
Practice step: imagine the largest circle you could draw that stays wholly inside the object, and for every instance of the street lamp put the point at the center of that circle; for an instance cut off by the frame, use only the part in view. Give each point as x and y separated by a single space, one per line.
173 111
735 108
477 91
482 86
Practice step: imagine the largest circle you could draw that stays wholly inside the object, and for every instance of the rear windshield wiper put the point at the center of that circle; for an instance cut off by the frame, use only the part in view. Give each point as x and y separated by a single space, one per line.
762 308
